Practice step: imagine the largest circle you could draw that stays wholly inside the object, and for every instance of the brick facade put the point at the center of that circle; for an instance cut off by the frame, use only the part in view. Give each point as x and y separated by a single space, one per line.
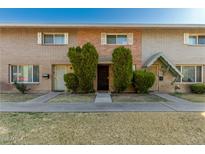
19 46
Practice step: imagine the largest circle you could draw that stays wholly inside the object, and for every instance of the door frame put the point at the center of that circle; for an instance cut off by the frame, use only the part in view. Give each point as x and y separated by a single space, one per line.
53 74
108 66
157 76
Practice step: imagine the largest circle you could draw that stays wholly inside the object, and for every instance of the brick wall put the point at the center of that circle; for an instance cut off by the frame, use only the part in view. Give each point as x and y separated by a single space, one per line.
19 46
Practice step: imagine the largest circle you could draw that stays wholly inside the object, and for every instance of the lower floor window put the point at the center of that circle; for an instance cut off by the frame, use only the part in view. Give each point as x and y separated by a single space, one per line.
191 73
24 73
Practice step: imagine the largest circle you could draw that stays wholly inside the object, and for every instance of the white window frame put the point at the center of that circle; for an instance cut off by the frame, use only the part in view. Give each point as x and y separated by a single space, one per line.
18 72
197 38
116 34
53 38
195 66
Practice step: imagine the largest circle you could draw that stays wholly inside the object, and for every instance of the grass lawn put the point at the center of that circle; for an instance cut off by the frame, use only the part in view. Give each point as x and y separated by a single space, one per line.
17 97
73 98
192 97
137 98
103 128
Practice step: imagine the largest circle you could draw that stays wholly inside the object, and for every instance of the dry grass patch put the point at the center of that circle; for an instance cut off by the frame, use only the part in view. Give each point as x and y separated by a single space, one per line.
17 97
199 98
137 98
103 128
73 98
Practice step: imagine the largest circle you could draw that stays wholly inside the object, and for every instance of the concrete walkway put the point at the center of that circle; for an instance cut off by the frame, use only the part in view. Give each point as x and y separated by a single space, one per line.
179 104
44 98
103 98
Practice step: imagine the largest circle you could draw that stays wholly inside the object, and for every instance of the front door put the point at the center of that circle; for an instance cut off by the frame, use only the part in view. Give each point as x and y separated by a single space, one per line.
103 77
58 74
154 69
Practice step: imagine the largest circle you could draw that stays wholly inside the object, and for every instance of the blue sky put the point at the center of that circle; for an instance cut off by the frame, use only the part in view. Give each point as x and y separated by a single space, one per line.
191 16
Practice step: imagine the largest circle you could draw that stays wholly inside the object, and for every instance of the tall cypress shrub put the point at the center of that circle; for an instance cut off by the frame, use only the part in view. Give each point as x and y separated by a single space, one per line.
122 68
84 61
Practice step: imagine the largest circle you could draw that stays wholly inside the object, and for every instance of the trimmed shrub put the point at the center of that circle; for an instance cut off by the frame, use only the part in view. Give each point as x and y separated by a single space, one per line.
84 61
143 80
198 88
122 68
71 82
21 87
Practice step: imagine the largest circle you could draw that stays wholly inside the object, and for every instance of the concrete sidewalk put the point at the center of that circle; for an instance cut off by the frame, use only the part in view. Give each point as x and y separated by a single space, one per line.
82 107
101 104
179 104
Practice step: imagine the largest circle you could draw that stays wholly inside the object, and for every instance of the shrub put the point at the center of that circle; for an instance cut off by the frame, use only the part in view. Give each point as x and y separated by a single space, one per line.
143 80
71 82
198 88
84 61
122 68
21 87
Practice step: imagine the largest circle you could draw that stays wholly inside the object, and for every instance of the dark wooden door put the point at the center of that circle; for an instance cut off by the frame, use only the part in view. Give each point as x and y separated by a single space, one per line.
103 80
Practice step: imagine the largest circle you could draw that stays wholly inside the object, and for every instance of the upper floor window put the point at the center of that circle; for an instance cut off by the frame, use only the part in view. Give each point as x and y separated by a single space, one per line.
24 73
191 74
52 38
117 38
194 39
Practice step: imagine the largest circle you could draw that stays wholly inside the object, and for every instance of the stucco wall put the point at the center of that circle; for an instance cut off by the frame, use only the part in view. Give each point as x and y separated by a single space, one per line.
171 43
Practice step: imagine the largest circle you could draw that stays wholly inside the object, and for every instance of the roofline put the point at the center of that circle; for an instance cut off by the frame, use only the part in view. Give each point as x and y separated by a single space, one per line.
120 25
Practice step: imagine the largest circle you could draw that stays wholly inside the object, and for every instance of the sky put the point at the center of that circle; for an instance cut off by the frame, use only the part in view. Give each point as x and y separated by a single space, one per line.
60 16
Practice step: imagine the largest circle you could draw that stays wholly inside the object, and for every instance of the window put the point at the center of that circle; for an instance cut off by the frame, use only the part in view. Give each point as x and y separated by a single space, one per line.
117 39
191 74
24 73
201 39
55 39
195 39
192 40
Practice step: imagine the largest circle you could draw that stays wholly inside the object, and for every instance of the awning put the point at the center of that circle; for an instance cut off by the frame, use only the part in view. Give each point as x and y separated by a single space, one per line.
160 56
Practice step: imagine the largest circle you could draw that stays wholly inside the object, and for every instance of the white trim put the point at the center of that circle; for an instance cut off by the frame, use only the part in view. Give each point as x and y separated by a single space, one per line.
186 38
103 39
66 38
39 38
130 39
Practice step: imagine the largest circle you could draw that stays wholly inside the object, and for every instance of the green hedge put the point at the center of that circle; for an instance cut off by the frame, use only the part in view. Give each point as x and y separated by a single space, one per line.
71 82
122 68
198 88
84 61
143 80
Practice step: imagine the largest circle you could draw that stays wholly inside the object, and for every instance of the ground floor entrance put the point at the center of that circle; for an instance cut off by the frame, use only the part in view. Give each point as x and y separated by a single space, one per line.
58 76
155 69
103 77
